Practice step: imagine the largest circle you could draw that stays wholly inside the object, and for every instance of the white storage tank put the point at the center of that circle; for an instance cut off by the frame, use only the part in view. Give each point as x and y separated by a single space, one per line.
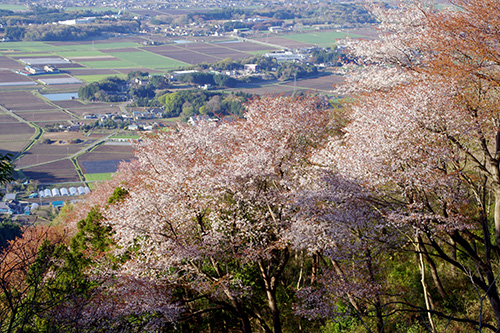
64 191
47 192
73 191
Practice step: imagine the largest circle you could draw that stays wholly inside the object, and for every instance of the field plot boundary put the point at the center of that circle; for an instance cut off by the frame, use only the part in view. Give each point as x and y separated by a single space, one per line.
318 37
149 60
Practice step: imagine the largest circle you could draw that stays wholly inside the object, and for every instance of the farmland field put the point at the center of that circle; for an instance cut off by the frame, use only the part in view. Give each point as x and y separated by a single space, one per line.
41 117
96 108
42 153
320 38
9 76
105 158
181 54
92 177
5 6
7 63
108 64
14 136
321 83
282 41
148 59
244 46
55 172
23 101
104 166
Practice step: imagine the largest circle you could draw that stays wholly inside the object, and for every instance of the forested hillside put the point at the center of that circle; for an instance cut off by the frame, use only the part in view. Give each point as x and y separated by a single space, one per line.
378 214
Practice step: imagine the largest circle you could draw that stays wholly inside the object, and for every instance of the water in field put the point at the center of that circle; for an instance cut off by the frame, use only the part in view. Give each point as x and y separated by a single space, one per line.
61 96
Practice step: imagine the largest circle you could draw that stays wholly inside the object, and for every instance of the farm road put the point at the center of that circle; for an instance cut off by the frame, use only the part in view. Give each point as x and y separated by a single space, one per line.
78 153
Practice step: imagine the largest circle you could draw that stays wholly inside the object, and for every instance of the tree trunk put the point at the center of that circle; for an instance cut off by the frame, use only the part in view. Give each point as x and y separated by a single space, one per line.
270 283
434 273
497 217
377 303
421 266
245 321
240 312
273 307
493 297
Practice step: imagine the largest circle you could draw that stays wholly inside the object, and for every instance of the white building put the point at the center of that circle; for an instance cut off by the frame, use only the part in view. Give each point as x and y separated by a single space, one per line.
83 20
286 56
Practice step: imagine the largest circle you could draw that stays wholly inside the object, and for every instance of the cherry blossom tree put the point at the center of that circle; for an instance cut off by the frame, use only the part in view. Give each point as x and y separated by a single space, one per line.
210 209
422 138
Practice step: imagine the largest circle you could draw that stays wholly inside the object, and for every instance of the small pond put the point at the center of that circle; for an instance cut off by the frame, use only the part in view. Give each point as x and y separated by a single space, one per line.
61 96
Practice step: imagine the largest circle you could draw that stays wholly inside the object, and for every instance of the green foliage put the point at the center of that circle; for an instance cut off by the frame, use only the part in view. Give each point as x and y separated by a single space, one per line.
288 70
15 33
197 78
108 90
8 231
218 14
6 168
345 324
118 195
68 33
137 74
225 81
336 13
196 102
35 289
231 25
326 55
92 235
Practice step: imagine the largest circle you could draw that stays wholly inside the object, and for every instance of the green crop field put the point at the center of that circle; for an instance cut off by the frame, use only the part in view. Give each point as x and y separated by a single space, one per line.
97 177
86 46
325 38
81 53
148 59
115 45
13 7
108 64
11 47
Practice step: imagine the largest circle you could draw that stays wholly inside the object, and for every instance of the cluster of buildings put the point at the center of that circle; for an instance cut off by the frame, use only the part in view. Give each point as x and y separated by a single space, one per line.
36 66
34 70
11 206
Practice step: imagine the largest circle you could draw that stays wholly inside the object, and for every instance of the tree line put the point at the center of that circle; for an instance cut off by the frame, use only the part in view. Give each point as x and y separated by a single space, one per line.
69 32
